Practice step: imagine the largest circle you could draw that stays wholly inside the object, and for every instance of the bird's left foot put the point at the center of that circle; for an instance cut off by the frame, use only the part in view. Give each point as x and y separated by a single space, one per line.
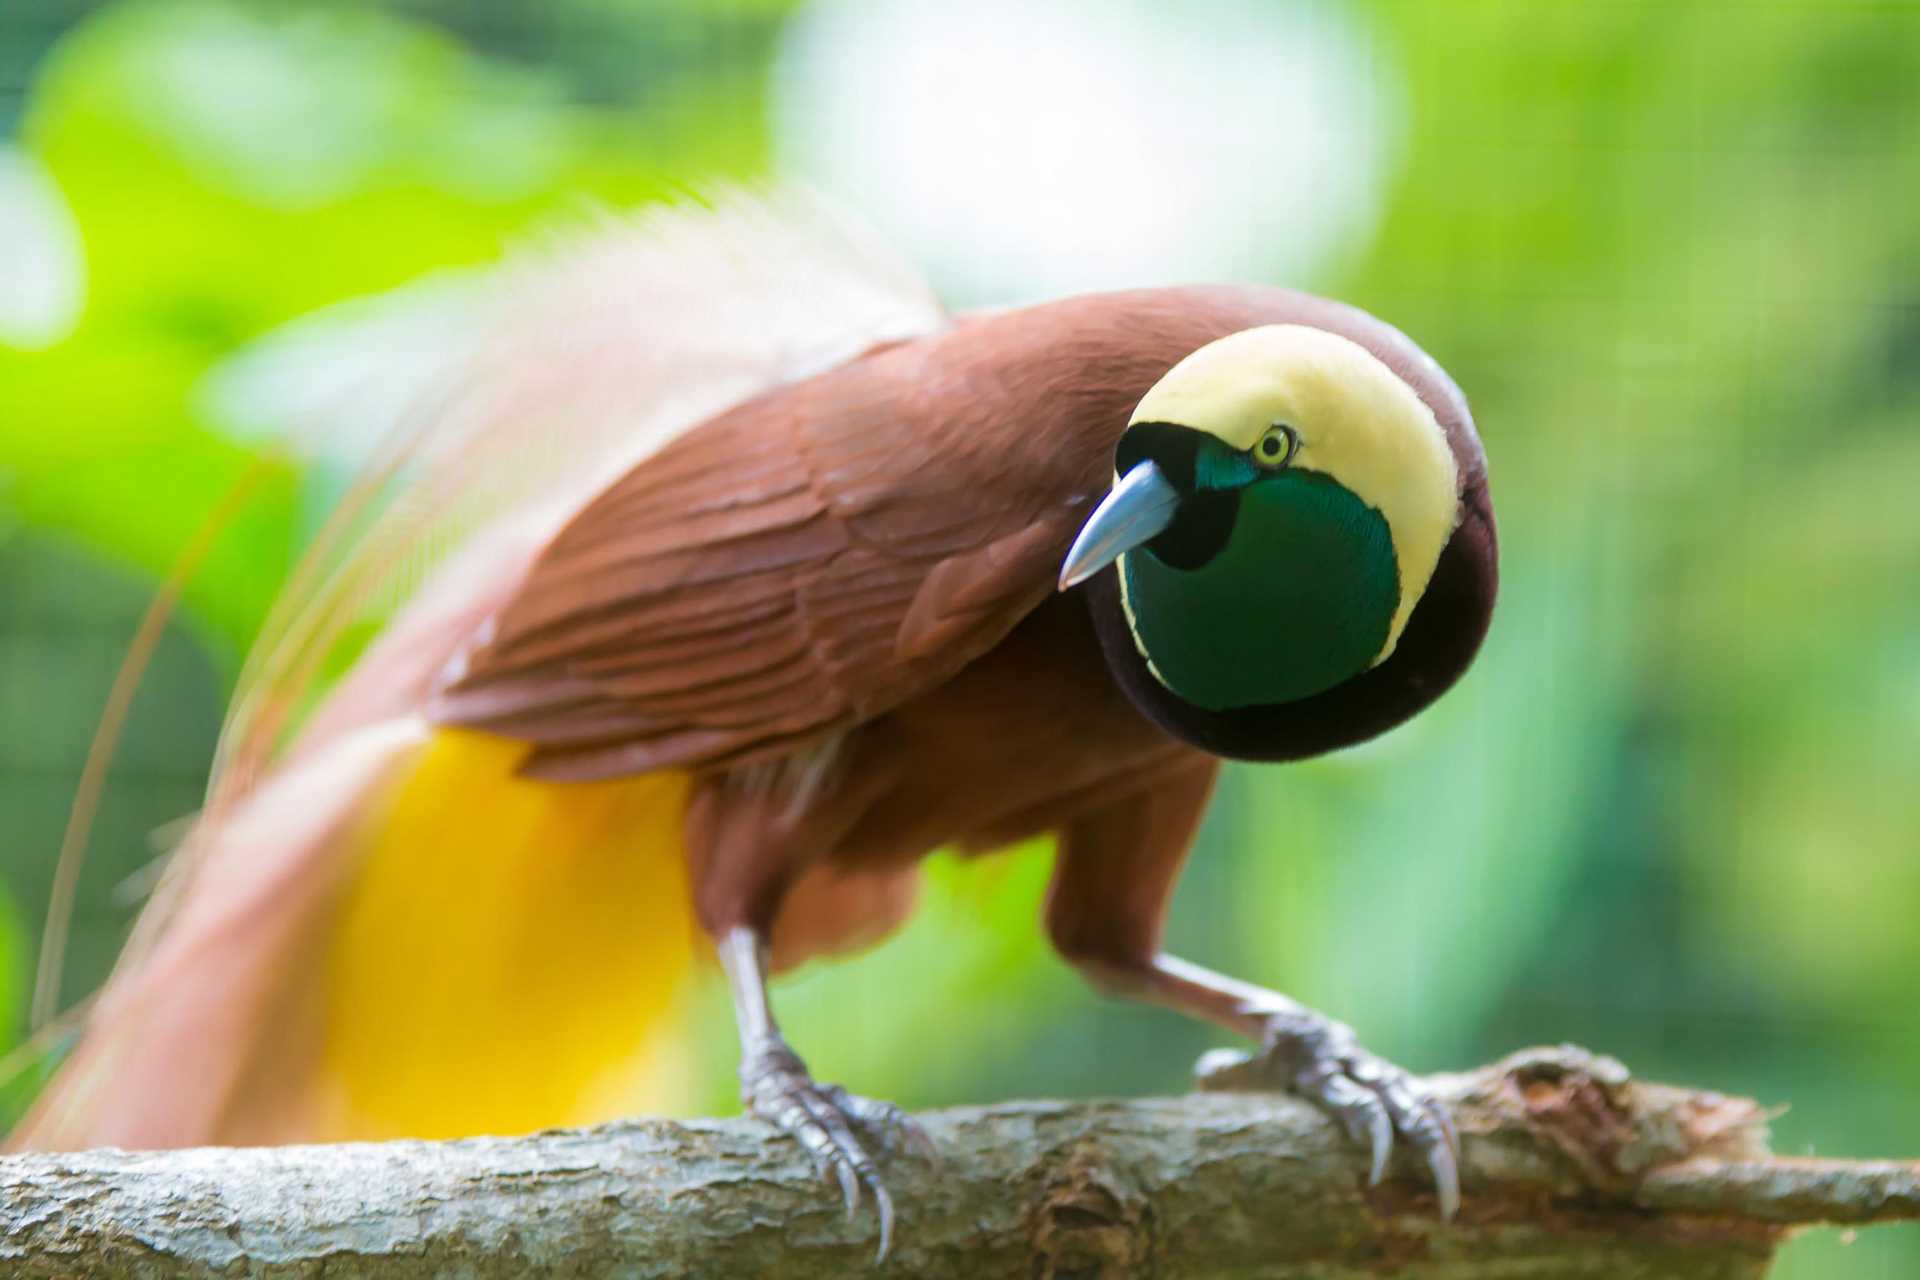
1372 1099
829 1123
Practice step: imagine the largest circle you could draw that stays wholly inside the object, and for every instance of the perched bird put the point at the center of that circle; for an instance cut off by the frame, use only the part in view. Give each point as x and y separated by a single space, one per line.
752 577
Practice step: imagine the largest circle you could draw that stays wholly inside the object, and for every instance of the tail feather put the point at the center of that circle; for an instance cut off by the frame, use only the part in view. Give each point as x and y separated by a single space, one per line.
396 936
308 969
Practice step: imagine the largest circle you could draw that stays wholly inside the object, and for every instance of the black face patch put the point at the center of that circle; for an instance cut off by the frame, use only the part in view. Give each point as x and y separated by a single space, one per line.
1205 519
1199 532
1174 449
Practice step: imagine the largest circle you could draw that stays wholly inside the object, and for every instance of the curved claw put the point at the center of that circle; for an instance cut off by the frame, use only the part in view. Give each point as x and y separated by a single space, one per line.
841 1149
883 1206
1446 1180
822 1119
849 1186
1371 1098
1426 1124
1382 1147
1363 1115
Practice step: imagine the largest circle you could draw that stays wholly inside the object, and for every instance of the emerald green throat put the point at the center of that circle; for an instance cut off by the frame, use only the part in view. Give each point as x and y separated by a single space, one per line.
1299 598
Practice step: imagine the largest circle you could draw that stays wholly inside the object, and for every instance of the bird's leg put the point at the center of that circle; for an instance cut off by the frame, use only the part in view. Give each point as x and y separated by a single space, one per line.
748 844
1305 1052
826 1120
1112 881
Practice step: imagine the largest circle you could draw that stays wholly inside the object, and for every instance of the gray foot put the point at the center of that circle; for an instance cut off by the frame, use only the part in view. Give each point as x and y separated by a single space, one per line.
828 1122
1373 1100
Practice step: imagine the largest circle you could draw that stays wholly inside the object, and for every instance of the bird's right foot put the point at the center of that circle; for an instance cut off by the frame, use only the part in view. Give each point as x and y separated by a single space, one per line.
1372 1099
828 1123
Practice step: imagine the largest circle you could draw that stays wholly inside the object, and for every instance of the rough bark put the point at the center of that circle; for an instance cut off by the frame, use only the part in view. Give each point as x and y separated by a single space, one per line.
1570 1170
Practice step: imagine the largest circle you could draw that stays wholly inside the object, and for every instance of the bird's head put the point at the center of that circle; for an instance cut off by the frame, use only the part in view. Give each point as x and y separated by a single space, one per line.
1282 498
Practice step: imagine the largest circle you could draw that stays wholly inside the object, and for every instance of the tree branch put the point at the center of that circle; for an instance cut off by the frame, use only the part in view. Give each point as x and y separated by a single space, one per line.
1570 1169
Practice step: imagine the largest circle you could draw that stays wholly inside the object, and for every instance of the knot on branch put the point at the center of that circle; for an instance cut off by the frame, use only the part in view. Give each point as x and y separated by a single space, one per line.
1087 1225
1600 1130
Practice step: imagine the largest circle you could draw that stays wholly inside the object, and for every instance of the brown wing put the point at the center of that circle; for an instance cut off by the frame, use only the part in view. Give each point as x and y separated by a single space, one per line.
820 554
795 566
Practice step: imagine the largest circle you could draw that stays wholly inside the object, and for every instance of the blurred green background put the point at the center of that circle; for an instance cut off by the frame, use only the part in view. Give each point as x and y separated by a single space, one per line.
1671 251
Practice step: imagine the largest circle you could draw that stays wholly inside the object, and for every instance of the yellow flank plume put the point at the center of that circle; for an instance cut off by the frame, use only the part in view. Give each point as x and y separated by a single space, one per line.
511 951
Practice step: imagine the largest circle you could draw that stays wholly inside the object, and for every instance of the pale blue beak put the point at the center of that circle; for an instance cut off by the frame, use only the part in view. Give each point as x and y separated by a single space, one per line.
1140 506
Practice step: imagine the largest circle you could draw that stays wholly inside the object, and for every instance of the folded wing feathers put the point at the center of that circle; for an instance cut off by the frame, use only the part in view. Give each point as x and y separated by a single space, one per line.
597 345
602 342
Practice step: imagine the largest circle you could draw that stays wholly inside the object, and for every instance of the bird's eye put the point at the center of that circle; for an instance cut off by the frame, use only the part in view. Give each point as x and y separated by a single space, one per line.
1275 448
